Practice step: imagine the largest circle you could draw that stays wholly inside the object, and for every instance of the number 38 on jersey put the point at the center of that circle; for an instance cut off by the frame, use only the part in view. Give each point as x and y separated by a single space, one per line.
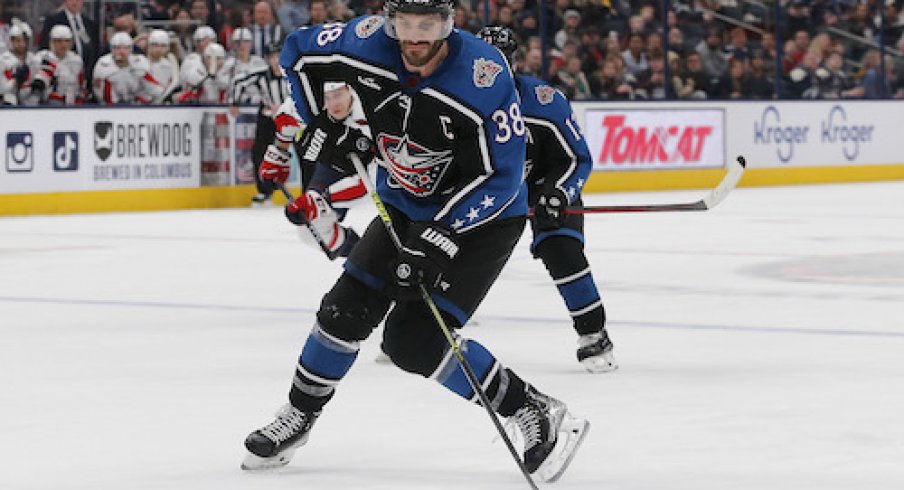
509 122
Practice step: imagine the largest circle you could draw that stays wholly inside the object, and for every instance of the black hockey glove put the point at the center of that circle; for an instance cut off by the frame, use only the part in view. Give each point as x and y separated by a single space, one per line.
549 212
350 141
425 258
330 142
38 85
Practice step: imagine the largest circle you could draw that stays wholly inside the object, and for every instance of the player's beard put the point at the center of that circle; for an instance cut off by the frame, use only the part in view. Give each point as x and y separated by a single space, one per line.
418 59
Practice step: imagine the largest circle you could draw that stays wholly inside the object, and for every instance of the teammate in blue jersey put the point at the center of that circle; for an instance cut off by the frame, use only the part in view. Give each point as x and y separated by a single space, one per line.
448 132
558 164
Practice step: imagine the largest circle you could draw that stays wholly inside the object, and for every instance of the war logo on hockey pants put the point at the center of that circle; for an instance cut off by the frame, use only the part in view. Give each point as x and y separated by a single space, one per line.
411 166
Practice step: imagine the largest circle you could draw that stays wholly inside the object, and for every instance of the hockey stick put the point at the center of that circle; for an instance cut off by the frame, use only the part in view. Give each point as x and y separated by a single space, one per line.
735 171
431 305
314 233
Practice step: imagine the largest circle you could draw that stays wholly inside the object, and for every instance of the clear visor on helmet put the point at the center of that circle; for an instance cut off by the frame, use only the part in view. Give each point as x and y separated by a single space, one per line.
418 27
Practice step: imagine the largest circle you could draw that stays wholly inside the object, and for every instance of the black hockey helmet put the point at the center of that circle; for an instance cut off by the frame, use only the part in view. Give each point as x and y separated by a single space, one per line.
445 8
500 36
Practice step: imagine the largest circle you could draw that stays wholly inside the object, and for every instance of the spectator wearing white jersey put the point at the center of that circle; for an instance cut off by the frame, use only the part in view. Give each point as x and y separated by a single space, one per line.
17 66
164 66
199 81
121 77
193 63
60 78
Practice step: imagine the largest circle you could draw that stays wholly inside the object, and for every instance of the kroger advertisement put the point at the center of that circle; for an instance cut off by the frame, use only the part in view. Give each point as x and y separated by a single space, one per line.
815 133
99 149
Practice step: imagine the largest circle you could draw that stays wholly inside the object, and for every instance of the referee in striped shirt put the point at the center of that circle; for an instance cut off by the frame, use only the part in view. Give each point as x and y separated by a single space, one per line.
268 88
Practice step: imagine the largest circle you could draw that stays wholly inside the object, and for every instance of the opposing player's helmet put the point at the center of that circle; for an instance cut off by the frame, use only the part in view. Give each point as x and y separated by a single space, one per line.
121 39
204 32
445 8
500 36
60 31
159 36
214 50
20 29
330 86
242 34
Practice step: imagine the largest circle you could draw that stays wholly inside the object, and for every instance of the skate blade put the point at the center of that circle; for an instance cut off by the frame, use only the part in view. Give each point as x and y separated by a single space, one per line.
571 434
604 363
254 462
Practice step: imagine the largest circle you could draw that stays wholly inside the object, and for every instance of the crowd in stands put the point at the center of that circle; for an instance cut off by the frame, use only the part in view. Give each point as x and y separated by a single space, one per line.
193 51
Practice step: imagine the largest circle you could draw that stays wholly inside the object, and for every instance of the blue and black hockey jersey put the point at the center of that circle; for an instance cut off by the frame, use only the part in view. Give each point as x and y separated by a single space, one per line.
452 144
557 154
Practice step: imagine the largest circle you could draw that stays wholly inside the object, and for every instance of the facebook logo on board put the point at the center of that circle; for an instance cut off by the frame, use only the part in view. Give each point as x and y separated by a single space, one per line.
20 155
65 151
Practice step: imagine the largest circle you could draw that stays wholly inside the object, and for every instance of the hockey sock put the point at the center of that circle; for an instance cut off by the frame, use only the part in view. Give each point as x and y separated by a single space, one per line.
503 388
509 390
565 260
324 361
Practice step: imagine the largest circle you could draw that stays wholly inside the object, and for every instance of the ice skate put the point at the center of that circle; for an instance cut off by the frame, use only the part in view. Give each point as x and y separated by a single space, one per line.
595 352
274 444
551 434
261 200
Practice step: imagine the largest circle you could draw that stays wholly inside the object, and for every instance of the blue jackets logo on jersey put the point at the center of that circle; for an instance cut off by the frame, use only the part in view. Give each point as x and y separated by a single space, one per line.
545 94
367 27
485 72
412 166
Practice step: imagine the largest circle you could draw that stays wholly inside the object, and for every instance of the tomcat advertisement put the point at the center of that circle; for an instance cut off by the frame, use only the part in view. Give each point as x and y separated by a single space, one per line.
655 139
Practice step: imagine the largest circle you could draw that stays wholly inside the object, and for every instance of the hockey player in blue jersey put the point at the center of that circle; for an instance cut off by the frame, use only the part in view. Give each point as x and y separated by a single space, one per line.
558 164
447 129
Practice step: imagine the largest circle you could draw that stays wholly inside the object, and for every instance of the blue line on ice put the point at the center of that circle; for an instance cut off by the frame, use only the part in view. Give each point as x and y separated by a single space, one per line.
480 318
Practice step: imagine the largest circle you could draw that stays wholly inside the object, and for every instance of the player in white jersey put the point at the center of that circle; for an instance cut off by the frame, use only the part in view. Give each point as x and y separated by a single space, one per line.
239 66
194 63
199 81
328 194
60 78
121 77
16 66
164 66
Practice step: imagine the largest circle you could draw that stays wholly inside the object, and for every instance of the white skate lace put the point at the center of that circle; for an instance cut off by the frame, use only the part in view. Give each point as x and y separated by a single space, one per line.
589 339
528 420
288 422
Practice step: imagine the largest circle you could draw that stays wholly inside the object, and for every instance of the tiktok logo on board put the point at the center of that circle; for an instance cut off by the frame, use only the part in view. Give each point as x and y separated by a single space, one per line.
65 151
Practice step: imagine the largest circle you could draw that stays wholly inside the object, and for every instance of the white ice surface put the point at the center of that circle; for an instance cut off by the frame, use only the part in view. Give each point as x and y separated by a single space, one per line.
761 347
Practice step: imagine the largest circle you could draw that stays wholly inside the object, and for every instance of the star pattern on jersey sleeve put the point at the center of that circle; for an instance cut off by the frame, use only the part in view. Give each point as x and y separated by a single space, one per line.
488 201
572 192
580 183
473 214
457 224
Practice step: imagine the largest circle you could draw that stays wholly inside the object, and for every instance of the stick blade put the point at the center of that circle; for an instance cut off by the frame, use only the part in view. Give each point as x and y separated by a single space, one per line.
729 182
